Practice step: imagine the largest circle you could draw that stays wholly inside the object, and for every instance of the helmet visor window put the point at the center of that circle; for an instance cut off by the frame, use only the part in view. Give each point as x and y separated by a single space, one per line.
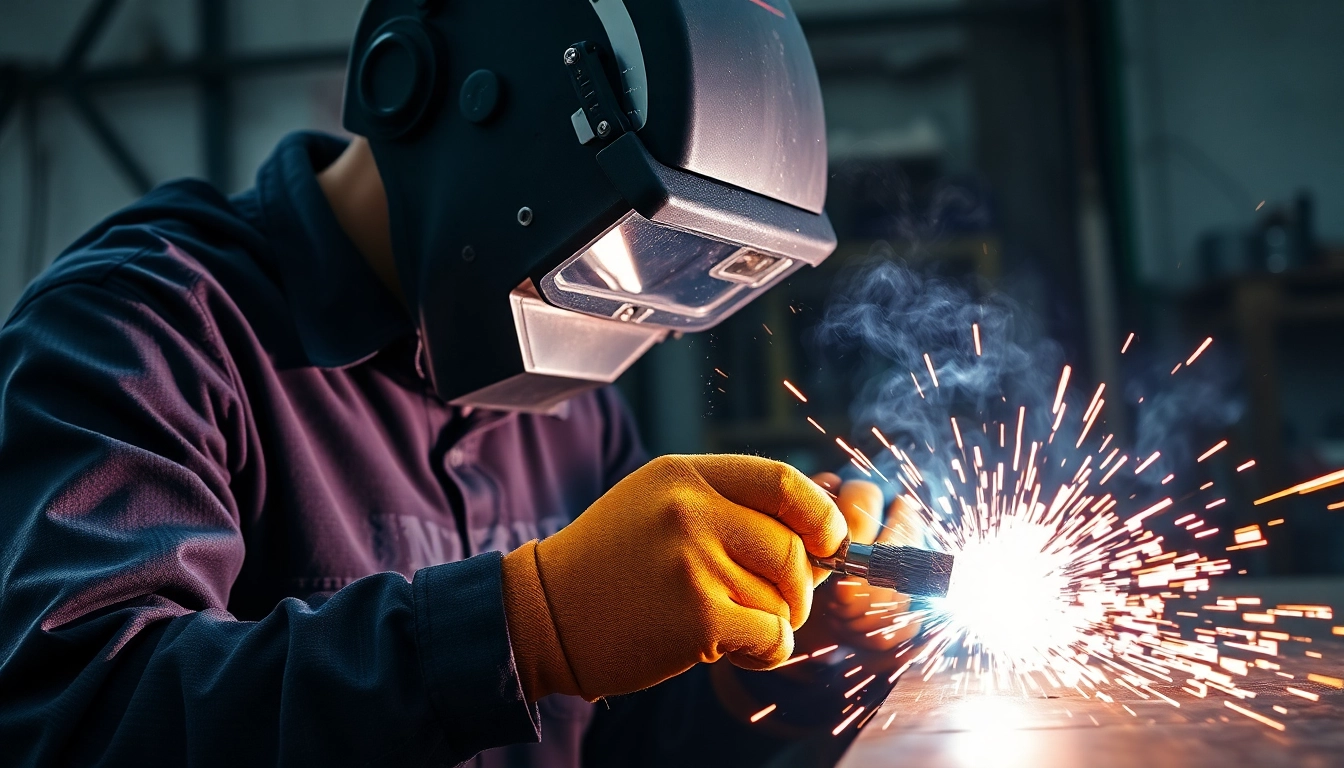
644 272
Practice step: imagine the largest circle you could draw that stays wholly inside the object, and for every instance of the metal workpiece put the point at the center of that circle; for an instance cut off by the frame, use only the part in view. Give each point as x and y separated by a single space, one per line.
1287 715
942 722
908 570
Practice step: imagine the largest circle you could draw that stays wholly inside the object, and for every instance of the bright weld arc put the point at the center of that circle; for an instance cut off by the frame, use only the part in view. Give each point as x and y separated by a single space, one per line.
1049 551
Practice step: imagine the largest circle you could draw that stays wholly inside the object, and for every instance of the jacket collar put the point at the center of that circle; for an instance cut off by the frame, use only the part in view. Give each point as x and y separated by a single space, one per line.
343 312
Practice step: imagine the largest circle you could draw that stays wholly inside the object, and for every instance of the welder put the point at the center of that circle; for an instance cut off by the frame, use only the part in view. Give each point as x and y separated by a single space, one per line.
262 456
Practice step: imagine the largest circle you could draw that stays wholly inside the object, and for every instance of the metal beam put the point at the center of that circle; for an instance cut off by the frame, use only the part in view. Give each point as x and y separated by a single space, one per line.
190 70
112 144
91 27
11 92
216 93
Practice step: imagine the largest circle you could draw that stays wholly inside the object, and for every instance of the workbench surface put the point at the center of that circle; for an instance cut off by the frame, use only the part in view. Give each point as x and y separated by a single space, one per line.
935 724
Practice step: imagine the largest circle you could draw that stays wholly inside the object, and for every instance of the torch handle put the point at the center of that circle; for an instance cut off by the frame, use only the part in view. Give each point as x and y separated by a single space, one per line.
850 559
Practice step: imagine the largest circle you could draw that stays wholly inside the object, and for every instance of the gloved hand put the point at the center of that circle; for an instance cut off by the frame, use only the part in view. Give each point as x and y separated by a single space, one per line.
688 559
854 614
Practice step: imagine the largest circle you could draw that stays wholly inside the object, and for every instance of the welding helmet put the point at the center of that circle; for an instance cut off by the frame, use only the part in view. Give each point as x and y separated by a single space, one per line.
570 181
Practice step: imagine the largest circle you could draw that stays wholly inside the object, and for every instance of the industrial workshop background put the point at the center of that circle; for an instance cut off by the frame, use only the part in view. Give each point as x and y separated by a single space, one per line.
1171 168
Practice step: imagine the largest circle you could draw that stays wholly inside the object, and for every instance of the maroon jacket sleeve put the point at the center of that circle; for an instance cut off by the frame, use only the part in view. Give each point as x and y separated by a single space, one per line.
121 427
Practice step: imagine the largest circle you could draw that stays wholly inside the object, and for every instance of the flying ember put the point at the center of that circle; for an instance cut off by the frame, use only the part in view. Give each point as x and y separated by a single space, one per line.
1063 581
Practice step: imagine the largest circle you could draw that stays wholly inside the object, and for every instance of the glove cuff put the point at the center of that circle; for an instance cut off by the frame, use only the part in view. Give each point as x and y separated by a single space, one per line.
541 663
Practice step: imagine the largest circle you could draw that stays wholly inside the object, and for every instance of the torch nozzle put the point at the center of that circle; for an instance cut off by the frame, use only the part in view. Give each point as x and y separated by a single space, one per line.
907 570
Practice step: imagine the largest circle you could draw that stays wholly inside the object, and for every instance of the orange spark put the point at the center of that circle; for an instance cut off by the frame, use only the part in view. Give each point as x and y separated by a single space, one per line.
1310 486
814 423
845 723
860 686
1246 466
1147 462
1276 725
1249 533
1336 505
1117 466
1128 341
1220 446
1063 385
1058 419
975 331
1096 409
756 717
795 391
917 387
769 8
721 373
1136 522
1333 682
1199 351
1017 452
1095 399
932 373
767 329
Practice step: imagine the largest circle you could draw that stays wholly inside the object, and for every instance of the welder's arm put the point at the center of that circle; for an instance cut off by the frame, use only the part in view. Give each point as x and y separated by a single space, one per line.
702 717
689 559
121 435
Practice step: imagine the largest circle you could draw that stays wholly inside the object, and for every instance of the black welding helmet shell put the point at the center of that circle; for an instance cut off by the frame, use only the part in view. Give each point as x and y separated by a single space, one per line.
569 181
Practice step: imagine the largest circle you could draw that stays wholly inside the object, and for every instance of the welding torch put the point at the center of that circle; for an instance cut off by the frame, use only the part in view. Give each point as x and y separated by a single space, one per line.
908 570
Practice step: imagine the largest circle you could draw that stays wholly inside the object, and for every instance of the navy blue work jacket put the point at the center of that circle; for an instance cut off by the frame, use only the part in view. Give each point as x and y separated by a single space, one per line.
238 528
227 495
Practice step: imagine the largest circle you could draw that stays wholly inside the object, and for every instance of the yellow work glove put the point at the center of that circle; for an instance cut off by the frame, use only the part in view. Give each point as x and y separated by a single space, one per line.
688 559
